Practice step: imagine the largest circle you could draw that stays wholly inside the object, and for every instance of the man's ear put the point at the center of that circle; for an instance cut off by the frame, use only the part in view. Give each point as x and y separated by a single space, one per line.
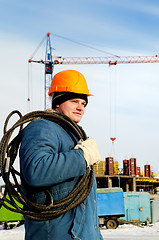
57 106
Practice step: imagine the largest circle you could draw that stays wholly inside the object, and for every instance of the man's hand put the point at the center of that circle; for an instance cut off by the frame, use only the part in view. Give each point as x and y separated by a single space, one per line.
90 151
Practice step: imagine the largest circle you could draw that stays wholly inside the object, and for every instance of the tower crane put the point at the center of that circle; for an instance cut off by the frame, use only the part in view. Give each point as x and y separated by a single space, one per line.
50 62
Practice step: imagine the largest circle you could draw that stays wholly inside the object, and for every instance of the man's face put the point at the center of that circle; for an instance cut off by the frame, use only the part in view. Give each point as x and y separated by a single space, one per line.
73 108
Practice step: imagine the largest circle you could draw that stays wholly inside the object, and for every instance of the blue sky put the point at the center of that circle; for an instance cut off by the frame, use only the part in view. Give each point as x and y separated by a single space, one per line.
107 23
117 27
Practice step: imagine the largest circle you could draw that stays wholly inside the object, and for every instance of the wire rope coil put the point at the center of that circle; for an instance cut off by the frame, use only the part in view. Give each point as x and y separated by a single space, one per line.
8 153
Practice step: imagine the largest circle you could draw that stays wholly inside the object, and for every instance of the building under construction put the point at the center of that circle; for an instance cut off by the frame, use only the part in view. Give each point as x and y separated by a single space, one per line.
129 178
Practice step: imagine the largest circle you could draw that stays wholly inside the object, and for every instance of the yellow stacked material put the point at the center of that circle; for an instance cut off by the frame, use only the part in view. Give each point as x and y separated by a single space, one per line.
100 168
142 174
116 168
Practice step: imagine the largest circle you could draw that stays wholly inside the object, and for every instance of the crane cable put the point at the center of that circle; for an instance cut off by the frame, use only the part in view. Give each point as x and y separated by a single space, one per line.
29 98
8 153
35 51
113 101
83 44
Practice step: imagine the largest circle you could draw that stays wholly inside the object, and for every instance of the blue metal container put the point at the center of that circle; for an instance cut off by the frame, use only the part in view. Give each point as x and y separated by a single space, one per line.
137 206
110 202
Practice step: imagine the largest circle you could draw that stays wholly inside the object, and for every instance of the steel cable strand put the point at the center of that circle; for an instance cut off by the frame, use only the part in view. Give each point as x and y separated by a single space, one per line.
64 201
6 178
8 118
63 121
45 215
3 164
5 175
5 130
48 215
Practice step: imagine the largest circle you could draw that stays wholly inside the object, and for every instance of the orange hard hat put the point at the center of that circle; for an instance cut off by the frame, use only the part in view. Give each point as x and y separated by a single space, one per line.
69 81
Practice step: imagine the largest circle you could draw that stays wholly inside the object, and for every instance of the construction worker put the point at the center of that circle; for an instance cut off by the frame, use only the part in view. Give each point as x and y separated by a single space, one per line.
51 157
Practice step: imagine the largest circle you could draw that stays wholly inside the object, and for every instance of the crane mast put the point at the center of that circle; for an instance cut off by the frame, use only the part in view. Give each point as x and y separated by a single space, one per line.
48 70
50 61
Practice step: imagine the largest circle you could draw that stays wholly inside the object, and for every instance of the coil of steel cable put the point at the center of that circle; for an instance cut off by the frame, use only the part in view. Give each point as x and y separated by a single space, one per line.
8 153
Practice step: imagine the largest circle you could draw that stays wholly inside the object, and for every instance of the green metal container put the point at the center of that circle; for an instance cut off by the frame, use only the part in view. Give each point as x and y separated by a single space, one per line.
9 216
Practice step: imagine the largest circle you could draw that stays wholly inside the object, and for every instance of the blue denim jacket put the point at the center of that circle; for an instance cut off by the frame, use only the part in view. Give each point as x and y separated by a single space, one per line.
48 159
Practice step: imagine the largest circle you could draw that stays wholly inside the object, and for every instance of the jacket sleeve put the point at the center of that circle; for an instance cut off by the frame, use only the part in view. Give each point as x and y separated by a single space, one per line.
47 155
